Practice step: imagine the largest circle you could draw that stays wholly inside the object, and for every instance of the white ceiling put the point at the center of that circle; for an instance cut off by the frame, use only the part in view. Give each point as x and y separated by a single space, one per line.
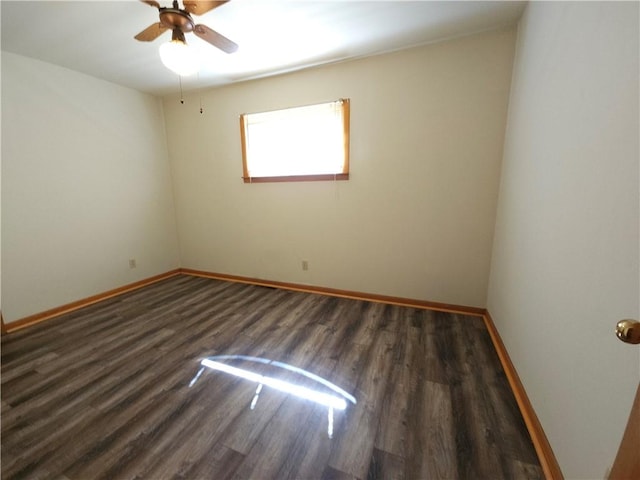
274 36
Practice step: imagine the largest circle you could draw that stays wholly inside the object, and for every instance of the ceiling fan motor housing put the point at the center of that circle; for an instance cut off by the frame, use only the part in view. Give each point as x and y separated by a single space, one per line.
175 18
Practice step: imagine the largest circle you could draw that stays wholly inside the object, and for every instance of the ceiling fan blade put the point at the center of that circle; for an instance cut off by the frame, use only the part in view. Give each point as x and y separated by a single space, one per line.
153 3
198 7
151 32
215 39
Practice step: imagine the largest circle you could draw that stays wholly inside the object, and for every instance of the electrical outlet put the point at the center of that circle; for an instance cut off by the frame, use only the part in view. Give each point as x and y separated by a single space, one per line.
132 263
305 265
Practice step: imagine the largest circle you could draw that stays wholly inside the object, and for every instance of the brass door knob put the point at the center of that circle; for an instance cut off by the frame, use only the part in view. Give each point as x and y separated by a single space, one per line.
628 331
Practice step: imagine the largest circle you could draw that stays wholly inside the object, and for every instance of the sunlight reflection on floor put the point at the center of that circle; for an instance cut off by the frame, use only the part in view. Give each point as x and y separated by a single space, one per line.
336 398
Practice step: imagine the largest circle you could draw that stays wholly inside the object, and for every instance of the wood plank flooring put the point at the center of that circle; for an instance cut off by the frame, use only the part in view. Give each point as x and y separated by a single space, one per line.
103 392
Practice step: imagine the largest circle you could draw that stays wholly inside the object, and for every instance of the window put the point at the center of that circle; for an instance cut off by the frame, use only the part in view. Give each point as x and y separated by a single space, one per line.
296 144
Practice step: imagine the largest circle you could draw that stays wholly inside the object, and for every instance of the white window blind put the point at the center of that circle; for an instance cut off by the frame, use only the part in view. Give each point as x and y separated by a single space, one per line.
296 142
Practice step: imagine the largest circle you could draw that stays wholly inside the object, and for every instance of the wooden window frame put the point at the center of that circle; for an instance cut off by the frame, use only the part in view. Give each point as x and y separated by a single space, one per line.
344 175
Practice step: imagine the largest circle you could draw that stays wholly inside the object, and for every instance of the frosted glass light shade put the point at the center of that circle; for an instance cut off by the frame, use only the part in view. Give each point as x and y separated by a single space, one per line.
179 58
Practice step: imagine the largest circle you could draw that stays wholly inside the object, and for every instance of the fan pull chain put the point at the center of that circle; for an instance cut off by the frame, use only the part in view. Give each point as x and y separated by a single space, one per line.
200 93
181 96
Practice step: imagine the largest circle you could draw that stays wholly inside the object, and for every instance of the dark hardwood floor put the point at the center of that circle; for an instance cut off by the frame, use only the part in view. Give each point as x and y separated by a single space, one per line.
103 392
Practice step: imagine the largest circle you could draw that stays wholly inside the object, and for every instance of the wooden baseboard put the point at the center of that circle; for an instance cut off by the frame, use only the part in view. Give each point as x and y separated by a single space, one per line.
69 307
371 297
407 302
548 460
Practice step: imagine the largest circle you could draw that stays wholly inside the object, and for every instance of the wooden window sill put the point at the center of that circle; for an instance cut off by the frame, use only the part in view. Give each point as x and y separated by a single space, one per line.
298 178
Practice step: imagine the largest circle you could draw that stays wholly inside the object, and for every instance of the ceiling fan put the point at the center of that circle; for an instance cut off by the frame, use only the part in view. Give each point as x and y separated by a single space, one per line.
179 21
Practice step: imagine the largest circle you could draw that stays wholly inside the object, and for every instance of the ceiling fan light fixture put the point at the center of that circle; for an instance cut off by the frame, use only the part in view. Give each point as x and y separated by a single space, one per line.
178 57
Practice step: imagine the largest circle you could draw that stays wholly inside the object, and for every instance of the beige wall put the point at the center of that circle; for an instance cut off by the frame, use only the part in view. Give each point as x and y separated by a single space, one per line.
565 263
416 218
85 187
